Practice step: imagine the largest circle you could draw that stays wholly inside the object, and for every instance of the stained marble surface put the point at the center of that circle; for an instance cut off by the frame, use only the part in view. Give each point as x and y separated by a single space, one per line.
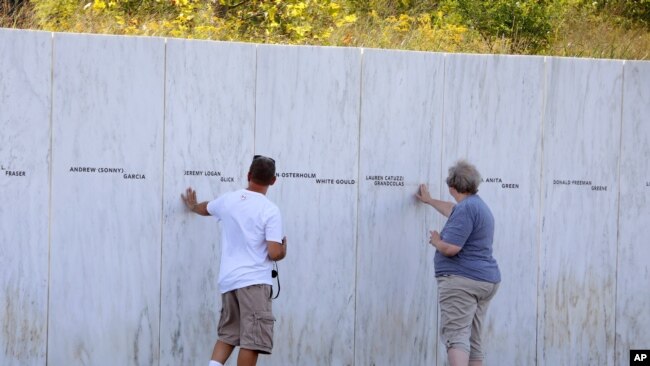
209 131
307 119
401 125
133 277
581 145
633 269
25 78
106 226
493 118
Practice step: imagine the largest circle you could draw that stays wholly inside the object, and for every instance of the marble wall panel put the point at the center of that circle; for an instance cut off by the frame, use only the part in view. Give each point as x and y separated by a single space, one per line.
493 118
581 142
25 104
307 119
401 125
633 269
338 131
107 151
209 131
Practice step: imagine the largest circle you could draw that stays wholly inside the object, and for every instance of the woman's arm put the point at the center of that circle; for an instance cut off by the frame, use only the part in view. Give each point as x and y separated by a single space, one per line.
446 249
444 207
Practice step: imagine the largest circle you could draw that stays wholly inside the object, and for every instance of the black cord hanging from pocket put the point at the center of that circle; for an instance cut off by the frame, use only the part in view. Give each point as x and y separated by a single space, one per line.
275 274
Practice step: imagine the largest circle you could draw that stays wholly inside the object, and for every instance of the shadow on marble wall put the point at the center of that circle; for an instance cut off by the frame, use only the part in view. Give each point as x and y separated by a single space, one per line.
578 243
632 265
495 104
25 104
107 145
307 118
103 265
401 124
209 125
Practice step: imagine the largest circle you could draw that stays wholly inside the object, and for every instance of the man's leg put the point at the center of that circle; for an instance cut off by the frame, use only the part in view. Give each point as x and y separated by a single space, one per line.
228 328
256 312
247 357
221 352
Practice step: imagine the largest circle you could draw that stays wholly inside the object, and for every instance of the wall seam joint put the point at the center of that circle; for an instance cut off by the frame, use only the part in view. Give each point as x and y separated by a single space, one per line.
255 101
618 208
49 219
540 212
440 180
356 247
162 202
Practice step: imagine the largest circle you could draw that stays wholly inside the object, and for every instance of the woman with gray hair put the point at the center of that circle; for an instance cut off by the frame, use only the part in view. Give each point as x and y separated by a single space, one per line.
468 276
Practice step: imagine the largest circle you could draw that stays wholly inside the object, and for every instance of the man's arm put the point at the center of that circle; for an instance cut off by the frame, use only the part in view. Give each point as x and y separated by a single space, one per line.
446 249
444 207
190 201
277 251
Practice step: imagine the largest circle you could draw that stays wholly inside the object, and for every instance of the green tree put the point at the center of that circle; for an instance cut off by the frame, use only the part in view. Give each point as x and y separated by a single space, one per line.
637 11
526 24
385 8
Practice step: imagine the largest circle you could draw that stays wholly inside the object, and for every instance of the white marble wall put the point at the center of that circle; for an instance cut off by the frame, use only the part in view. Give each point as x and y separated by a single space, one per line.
582 129
25 103
133 276
401 135
107 113
493 118
209 124
307 119
633 265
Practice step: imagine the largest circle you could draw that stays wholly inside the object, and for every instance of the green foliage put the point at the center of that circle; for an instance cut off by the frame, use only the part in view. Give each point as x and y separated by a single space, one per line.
292 21
633 10
288 21
583 30
55 15
424 32
525 23
594 28
386 8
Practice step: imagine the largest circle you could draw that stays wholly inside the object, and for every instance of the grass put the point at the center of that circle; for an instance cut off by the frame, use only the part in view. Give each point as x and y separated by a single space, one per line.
12 16
600 37
578 33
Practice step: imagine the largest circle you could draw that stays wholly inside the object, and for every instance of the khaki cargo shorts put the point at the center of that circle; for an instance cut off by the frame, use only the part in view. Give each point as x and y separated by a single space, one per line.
247 318
463 303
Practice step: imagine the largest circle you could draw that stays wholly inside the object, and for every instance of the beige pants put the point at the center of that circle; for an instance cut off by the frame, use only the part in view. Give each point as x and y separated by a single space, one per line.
247 318
463 303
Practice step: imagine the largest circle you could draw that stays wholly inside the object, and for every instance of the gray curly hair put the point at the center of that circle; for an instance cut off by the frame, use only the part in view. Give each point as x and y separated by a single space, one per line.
464 177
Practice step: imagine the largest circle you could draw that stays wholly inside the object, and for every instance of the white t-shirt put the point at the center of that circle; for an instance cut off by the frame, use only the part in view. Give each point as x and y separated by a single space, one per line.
248 219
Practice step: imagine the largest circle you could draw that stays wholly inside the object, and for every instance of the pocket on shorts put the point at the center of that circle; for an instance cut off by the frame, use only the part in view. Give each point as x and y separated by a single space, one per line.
221 319
220 325
264 329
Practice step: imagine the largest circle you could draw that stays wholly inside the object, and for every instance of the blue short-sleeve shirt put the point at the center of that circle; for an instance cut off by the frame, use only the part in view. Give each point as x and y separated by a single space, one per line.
471 227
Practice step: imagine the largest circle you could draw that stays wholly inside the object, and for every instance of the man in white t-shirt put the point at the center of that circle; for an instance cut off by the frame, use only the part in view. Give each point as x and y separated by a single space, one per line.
251 240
